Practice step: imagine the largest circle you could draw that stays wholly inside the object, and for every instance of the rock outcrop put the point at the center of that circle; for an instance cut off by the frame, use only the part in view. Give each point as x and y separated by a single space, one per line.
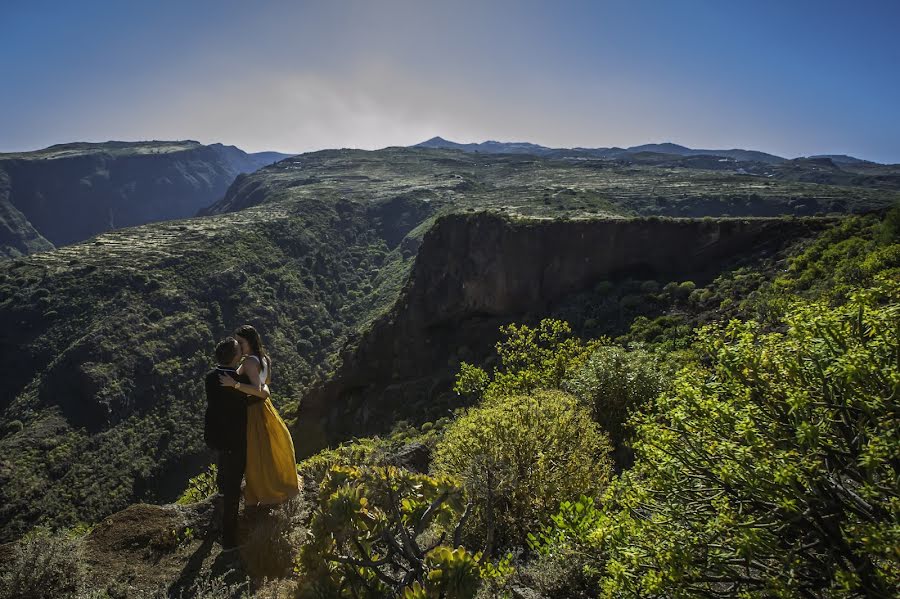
475 272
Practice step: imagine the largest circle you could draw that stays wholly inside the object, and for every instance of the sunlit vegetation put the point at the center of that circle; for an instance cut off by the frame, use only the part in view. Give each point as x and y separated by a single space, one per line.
764 455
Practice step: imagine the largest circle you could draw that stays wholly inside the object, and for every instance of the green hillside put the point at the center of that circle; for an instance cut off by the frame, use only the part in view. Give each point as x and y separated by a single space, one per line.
111 337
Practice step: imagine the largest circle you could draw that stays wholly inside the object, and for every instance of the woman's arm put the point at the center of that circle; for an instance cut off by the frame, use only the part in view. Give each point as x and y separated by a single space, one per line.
227 381
255 388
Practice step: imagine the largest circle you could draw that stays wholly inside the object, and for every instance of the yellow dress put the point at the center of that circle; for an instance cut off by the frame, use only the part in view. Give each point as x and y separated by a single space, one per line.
271 472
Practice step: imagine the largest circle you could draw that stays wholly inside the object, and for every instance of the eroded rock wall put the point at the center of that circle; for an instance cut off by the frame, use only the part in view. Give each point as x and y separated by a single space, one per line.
475 272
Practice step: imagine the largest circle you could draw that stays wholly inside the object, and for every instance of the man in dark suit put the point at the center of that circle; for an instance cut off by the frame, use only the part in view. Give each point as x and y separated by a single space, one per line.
225 431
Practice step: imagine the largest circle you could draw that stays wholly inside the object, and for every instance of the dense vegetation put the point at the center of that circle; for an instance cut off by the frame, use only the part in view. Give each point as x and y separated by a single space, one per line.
111 340
766 464
109 337
632 452
765 459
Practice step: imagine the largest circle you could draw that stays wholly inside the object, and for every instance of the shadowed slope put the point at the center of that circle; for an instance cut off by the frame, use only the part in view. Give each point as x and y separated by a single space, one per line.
68 192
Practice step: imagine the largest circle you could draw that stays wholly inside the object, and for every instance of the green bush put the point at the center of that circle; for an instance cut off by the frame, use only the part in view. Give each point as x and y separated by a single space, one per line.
367 451
613 383
201 486
530 358
381 531
890 226
44 564
562 563
686 288
519 457
14 426
772 472
650 287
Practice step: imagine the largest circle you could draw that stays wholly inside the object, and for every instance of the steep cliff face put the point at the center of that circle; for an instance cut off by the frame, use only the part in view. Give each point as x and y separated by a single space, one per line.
17 236
68 193
475 272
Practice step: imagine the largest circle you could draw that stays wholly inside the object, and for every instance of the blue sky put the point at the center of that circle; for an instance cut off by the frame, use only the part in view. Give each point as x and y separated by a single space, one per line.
791 77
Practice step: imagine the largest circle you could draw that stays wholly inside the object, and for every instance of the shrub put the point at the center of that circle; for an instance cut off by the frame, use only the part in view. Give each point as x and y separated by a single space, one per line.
44 564
890 226
563 564
218 587
650 287
380 530
572 525
613 383
563 573
773 471
14 426
367 451
530 358
519 457
686 288
201 486
632 302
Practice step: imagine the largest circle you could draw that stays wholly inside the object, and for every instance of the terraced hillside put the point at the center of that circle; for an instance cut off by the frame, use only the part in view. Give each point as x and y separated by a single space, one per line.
110 337
826 169
66 193
529 185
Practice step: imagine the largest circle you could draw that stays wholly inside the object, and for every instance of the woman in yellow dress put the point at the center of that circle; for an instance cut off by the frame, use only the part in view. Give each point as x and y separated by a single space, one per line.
271 472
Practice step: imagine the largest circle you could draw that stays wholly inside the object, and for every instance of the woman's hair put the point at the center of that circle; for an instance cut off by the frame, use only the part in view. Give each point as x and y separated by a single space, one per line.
256 347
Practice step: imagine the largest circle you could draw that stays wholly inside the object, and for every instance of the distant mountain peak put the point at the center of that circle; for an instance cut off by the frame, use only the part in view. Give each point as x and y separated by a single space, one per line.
842 159
666 147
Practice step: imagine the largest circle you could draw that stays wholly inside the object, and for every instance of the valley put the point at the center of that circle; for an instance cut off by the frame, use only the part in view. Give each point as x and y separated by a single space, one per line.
376 278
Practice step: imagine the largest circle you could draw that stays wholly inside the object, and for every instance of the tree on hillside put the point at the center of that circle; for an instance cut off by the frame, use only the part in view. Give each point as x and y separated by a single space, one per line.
773 471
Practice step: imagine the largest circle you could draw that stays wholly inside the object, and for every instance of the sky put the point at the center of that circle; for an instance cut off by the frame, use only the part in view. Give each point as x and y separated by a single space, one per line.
793 78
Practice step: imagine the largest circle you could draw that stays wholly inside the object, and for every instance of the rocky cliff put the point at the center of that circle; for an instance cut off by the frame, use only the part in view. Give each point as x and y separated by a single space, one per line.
70 192
17 236
475 272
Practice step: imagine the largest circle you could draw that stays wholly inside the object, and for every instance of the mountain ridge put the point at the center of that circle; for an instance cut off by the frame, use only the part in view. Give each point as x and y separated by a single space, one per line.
68 192
493 146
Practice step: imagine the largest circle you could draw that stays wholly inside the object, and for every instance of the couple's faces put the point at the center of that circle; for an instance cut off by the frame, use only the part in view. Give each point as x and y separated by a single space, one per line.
245 346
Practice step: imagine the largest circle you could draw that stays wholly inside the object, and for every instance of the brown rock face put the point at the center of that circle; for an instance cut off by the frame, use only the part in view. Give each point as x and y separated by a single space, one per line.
474 272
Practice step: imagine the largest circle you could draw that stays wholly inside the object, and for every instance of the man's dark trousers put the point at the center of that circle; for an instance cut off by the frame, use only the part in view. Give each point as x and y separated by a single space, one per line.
232 463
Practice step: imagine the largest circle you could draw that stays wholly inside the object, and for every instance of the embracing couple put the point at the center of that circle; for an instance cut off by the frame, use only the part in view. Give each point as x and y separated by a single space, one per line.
242 425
